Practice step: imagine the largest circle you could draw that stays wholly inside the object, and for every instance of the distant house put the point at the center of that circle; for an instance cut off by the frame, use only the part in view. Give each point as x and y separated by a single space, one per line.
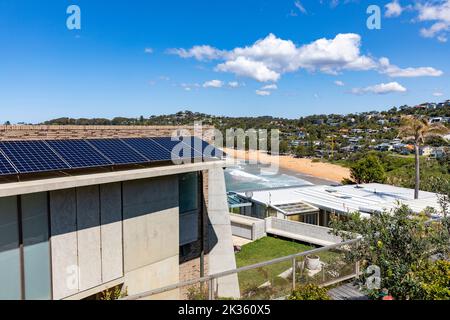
318 122
436 120
384 147
301 135
425 151
438 153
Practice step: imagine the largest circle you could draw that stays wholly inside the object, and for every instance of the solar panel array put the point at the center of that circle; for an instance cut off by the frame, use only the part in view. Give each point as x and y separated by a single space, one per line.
22 157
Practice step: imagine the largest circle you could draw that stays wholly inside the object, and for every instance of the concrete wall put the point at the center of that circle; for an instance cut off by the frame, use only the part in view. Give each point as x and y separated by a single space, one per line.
128 232
221 255
315 234
87 245
247 227
64 243
111 231
151 233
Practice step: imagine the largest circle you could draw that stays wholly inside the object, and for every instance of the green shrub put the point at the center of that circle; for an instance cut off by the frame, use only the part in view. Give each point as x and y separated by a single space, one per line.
433 281
309 292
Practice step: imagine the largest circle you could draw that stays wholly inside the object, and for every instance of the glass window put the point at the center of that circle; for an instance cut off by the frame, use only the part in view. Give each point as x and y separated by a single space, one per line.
188 192
9 250
36 247
189 205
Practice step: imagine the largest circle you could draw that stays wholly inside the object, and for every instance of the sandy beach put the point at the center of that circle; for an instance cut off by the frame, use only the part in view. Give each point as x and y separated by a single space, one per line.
305 166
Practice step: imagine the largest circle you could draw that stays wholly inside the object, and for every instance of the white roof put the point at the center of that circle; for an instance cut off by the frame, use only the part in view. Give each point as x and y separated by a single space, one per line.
366 198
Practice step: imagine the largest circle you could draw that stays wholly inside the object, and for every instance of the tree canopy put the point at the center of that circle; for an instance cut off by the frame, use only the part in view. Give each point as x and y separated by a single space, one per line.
367 170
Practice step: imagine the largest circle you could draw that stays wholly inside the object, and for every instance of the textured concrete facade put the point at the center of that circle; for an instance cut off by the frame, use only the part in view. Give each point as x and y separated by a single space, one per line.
124 228
151 233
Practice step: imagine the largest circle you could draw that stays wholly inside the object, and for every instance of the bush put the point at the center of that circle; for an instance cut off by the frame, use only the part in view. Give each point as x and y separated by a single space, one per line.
368 170
309 292
433 281
198 292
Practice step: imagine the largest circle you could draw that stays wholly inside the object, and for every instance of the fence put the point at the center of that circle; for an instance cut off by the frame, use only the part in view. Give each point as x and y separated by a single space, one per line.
273 279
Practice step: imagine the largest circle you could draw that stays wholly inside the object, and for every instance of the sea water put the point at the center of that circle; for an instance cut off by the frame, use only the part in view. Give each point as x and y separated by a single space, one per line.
245 176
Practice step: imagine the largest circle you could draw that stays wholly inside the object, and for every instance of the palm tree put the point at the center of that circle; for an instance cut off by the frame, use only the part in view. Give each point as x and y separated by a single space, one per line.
417 129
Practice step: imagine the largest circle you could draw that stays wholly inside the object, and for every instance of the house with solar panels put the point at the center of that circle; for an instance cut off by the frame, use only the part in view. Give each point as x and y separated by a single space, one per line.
82 215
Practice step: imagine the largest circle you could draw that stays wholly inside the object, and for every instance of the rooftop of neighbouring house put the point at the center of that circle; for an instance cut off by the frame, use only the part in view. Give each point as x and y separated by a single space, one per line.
365 198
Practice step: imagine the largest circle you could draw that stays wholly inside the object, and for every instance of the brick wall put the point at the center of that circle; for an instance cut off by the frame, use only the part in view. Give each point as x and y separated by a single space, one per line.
38 132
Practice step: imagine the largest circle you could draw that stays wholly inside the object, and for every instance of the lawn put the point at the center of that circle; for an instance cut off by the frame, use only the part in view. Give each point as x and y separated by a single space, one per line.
265 249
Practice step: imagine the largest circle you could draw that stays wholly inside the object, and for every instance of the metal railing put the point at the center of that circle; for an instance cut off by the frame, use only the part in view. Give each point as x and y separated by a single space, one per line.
211 280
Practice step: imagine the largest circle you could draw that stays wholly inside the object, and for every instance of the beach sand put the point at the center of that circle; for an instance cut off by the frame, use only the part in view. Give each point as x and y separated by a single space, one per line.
321 170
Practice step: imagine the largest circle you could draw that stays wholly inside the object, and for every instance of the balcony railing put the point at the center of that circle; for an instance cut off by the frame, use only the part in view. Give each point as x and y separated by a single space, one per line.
272 279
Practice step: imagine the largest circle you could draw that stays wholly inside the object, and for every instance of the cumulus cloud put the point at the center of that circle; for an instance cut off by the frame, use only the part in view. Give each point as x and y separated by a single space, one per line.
233 84
394 71
213 84
263 93
148 50
382 88
339 83
245 67
393 9
438 94
269 58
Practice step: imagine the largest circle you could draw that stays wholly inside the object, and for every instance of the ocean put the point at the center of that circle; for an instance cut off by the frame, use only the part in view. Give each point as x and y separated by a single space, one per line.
245 176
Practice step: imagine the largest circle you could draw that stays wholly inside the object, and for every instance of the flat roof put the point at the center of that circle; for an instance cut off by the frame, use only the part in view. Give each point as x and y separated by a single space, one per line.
365 198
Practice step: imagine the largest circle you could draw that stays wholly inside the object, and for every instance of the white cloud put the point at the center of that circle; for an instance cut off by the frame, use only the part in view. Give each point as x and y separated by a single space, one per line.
393 9
245 67
269 58
233 84
382 88
270 87
438 94
263 93
300 7
200 53
391 70
213 84
437 12
339 83
148 50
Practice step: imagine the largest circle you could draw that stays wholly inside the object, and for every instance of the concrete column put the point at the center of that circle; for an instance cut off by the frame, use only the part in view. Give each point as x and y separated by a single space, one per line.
221 255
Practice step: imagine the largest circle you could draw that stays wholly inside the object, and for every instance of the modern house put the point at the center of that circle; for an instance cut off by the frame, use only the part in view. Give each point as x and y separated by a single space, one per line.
79 215
316 204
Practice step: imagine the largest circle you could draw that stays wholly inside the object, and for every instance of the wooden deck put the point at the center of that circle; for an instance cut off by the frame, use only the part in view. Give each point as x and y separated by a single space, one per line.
347 292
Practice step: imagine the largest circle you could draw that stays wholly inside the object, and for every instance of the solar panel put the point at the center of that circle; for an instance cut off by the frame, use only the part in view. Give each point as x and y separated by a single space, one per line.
32 156
79 153
206 149
5 167
149 148
178 148
20 157
117 151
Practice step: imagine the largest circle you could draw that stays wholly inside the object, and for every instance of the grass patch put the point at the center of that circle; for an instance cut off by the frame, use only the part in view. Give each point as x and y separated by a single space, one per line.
265 249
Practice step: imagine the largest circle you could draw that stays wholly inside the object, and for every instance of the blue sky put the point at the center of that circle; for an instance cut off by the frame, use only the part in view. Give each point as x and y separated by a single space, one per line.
134 58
